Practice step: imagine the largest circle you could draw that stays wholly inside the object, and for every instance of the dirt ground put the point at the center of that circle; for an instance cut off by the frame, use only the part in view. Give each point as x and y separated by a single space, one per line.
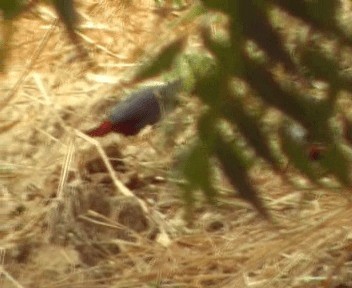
68 220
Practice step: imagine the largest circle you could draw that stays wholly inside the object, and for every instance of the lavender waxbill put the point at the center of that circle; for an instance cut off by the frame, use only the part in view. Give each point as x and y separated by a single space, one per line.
143 107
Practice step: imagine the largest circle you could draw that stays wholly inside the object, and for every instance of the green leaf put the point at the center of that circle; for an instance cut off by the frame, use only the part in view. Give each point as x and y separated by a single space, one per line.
232 161
220 99
197 171
235 169
207 129
12 8
322 67
270 91
228 56
317 114
225 6
189 17
234 111
210 94
325 68
322 11
161 62
320 14
65 9
338 164
189 67
195 66
257 26
310 12
302 108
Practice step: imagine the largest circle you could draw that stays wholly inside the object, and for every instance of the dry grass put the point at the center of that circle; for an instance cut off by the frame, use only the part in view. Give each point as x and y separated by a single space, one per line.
67 215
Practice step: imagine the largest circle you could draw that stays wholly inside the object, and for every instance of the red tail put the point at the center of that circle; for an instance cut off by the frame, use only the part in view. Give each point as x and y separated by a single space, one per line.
315 152
104 128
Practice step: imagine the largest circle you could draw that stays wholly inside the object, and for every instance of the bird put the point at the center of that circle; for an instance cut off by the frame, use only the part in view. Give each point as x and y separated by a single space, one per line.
143 107
313 150
316 151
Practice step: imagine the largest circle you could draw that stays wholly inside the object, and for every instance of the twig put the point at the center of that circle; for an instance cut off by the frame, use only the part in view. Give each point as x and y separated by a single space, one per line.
65 169
13 92
118 184
8 276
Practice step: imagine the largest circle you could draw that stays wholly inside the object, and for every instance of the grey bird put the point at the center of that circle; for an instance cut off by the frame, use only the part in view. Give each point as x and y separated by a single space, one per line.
143 107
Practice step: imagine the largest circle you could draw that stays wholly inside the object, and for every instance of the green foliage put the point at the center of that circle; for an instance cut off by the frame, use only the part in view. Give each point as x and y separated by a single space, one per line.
320 15
198 174
232 160
193 13
12 8
326 68
337 163
162 61
250 23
